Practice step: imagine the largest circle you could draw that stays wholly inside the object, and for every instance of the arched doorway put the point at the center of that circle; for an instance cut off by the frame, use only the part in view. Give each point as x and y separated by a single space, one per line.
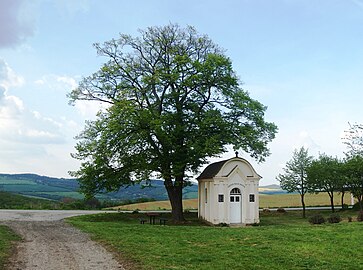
235 206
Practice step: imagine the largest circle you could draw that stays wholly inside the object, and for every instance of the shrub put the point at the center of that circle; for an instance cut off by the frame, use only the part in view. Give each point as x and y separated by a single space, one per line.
334 218
281 210
317 219
356 206
350 219
360 216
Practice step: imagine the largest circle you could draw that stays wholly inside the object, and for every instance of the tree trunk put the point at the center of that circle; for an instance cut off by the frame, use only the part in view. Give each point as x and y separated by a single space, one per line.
332 202
343 193
360 202
303 204
175 194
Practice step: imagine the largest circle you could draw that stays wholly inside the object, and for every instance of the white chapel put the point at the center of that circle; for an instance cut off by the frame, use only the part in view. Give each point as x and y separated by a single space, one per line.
228 193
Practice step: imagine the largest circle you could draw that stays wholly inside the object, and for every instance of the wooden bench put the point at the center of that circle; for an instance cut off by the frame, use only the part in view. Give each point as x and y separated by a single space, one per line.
152 216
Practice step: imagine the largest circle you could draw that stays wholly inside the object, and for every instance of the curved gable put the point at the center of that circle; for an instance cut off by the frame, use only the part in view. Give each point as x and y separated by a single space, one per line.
242 164
226 167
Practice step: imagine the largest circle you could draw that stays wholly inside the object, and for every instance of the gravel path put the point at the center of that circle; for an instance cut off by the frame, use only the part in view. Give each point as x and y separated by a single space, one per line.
51 244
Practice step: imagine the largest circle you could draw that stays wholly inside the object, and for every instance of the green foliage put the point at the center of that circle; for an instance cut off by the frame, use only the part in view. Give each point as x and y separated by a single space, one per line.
334 218
294 177
326 174
354 177
280 242
317 219
14 201
174 100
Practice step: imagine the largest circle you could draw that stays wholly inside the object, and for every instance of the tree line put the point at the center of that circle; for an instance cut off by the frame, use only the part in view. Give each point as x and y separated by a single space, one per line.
306 174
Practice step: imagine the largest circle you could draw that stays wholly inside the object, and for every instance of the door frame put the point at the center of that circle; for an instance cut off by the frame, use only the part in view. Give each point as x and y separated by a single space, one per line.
235 206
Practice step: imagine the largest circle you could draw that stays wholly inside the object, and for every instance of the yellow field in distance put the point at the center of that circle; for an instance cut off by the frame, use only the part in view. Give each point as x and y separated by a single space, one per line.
266 201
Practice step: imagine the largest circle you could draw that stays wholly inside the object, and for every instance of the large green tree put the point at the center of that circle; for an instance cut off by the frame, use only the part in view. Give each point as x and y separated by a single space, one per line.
294 177
326 174
174 100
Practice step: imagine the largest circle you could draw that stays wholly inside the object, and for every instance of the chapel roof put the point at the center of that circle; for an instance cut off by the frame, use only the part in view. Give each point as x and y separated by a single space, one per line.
211 170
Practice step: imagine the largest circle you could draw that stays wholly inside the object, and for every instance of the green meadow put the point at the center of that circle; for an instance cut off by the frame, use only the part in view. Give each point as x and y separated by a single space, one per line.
281 241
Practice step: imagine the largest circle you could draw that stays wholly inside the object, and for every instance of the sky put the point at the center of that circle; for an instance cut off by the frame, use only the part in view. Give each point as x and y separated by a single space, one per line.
303 59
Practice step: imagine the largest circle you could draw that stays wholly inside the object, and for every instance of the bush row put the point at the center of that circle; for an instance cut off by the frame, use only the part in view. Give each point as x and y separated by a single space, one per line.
333 218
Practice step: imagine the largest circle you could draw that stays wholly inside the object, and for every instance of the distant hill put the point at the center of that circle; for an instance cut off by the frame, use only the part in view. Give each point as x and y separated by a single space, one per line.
38 186
271 189
58 188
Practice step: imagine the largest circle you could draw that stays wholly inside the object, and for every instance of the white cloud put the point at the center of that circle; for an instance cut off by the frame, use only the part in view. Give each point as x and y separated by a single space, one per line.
89 109
304 139
18 124
9 105
68 81
8 78
57 83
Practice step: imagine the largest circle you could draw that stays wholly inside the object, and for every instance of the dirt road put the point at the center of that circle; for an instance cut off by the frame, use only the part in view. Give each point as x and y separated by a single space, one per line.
49 243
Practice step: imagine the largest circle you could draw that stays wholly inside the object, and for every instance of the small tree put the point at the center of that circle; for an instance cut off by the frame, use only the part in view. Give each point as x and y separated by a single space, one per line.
294 177
326 174
354 174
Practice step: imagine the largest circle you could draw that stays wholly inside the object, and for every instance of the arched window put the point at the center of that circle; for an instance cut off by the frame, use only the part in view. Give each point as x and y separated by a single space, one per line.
236 191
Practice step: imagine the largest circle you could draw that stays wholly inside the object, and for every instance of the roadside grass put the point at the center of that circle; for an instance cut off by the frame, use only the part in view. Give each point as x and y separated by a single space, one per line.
7 240
282 241
266 201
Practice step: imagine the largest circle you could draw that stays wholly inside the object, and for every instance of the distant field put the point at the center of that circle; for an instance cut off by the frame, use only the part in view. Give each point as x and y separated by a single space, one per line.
266 201
157 205
293 200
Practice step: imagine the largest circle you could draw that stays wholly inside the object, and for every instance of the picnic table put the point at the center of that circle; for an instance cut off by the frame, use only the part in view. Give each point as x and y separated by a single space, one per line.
152 216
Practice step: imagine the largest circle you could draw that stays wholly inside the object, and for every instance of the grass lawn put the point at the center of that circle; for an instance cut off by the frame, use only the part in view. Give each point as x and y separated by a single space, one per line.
7 239
282 241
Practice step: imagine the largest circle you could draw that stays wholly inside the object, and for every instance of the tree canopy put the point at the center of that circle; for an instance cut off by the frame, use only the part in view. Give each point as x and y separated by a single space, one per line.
354 177
326 174
174 100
